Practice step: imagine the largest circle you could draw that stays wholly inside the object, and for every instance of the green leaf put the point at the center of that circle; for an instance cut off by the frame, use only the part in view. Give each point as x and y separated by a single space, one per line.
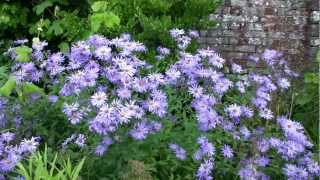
3 71
42 6
23 53
311 78
96 21
7 88
28 88
64 47
99 6
55 28
109 19
76 171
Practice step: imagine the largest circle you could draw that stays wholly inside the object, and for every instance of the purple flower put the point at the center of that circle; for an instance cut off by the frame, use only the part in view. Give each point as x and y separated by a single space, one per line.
245 132
73 112
205 170
163 51
208 119
29 145
262 161
124 93
227 152
248 172
53 98
140 131
295 172
98 99
266 114
175 33
206 148
222 85
269 56
103 146
179 151
233 110
103 53
236 68
283 83
80 140
194 34
7 137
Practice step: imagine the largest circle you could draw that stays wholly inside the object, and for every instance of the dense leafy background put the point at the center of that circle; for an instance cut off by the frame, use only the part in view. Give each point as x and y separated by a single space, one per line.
61 22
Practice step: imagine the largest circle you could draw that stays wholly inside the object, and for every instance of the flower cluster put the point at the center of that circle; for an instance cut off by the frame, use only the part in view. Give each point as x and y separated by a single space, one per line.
11 154
106 86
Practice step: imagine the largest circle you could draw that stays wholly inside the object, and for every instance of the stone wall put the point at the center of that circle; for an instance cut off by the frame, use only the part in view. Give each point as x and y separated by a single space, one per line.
247 27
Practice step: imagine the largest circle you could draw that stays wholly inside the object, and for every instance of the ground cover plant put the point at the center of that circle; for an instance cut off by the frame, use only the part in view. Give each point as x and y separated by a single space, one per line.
197 118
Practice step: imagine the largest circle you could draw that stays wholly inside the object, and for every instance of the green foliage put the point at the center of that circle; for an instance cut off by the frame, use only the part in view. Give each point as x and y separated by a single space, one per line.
23 53
7 88
42 165
306 102
63 21
108 19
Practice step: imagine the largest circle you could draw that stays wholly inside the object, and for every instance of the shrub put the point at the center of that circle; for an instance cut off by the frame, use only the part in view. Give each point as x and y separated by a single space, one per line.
62 22
217 119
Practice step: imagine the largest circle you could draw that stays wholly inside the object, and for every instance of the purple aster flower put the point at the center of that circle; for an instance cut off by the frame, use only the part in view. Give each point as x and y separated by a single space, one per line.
80 140
262 161
248 172
124 93
98 41
227 152
141 85
263 145
269 56
266 114
155 126
8 164
205 170
80 54
222 85
7 137
247 112
53 98
206 148
156 106
101 149
245 132
20 41
233 110
208 119
216 60
175 33
140 131
38 45
73 112
236 68
196 91
54 64
283 83
163 51
295 172
179 151
98 99
103 53
193 34
29 145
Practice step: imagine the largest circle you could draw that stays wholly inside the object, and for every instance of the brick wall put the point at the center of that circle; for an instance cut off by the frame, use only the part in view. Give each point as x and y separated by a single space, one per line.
247 27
